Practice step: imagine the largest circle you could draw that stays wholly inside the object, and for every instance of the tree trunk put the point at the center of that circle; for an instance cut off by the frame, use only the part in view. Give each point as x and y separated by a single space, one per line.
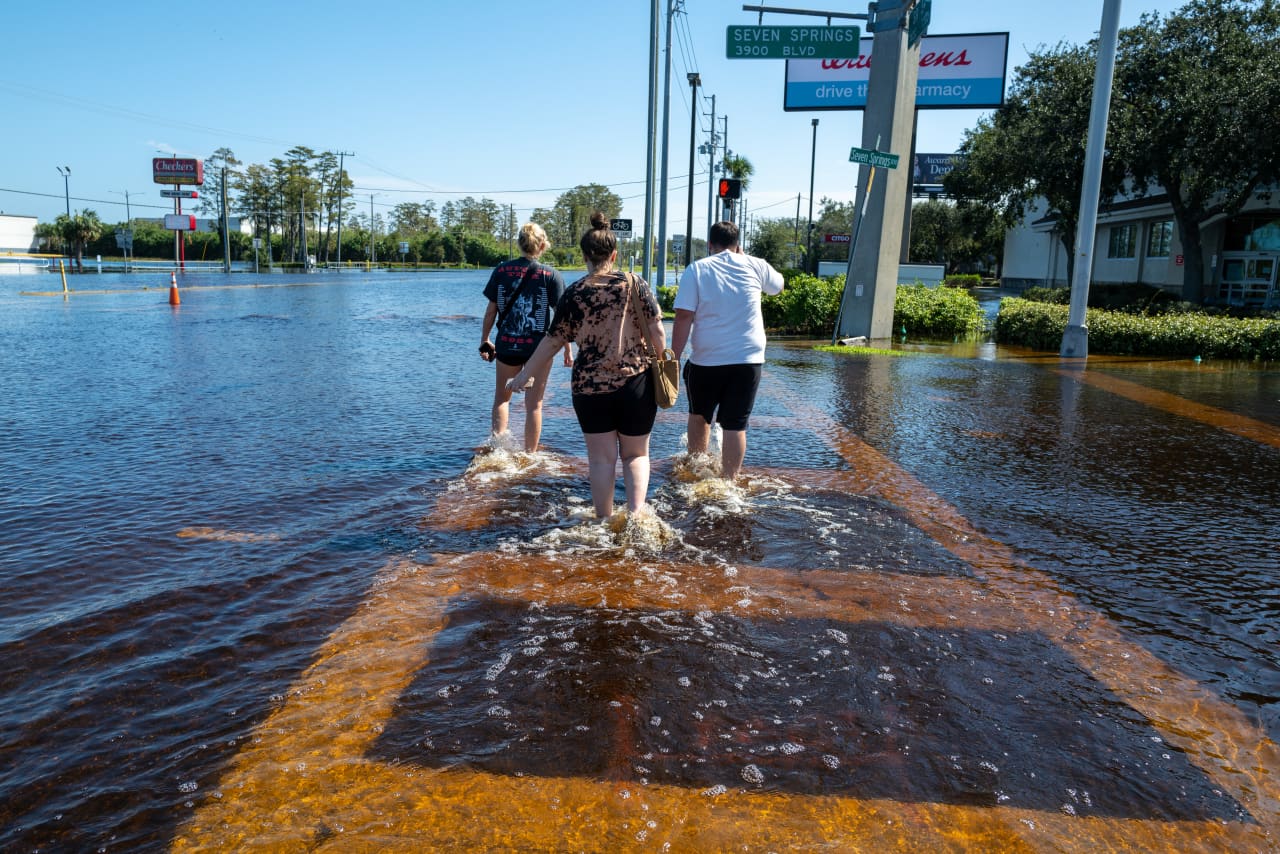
1193 263
1189 220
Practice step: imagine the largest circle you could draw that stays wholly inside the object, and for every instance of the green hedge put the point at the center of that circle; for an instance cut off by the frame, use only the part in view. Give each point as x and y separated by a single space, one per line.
936 312
808 306
962 280
1040 326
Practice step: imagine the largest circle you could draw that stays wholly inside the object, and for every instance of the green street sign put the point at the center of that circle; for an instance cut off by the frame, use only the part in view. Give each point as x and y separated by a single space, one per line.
744 42
919 22
873 158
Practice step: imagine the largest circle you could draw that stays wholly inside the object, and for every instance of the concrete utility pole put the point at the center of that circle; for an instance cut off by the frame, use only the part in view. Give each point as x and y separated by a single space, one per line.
711 168
651 150
226 224
666 147
341 156
694 82
866 308
1075 339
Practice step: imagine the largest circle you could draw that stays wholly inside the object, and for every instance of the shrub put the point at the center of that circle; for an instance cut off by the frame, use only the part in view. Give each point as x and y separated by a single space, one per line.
1040 326
1054 296
936 312
666 295
807 305
962 280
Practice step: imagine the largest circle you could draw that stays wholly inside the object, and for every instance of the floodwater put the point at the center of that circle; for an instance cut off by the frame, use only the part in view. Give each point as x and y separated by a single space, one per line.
265 587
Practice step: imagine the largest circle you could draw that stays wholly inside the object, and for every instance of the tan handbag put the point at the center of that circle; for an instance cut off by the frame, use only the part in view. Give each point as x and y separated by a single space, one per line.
664 367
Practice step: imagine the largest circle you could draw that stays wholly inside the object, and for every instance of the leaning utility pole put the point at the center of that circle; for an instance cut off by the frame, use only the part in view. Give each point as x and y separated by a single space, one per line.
871 284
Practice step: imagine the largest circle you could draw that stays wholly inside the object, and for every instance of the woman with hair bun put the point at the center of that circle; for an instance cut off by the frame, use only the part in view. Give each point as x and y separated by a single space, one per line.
522 294
614 319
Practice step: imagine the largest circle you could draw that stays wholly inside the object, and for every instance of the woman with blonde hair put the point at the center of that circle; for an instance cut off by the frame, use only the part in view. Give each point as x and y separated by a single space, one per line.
522 295
614 319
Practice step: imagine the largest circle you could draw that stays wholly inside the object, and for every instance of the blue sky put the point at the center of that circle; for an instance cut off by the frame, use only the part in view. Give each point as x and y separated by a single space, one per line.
438 99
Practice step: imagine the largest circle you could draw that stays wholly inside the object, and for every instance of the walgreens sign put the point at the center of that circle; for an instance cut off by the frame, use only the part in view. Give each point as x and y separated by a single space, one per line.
956 72
177 170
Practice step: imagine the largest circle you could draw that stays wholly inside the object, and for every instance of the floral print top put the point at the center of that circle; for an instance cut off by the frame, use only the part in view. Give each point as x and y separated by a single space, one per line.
596 314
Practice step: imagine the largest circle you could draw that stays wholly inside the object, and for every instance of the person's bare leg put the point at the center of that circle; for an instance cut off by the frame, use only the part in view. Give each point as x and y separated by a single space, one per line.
732 452
533 409
699 434
602 467
635 469
502 397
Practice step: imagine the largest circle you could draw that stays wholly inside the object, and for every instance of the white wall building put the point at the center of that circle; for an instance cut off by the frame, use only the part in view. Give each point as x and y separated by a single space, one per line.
17 233
1137 242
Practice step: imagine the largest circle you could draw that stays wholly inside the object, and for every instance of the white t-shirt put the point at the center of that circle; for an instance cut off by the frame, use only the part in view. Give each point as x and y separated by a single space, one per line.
723 292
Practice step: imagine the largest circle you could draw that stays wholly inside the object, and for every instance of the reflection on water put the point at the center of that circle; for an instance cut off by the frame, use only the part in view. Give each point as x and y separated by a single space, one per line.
267 585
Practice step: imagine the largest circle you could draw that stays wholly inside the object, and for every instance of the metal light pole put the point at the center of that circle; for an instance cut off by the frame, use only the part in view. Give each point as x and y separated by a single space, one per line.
694 81
813 159
1075 339
65 172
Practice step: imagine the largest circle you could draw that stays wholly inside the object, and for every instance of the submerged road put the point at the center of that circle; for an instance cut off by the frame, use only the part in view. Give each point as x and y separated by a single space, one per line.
608 754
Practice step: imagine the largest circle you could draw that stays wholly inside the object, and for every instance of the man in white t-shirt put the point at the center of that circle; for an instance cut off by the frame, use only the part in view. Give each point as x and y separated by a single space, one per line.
719 301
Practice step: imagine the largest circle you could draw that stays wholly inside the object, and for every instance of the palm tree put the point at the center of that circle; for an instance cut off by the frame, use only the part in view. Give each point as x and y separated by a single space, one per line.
737 166
80 230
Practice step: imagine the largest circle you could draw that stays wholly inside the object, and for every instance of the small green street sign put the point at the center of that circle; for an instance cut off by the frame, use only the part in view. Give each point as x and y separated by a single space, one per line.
873 158
919 22
746 42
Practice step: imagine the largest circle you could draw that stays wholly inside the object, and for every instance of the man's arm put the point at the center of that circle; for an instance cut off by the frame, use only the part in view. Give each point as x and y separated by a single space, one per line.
680 330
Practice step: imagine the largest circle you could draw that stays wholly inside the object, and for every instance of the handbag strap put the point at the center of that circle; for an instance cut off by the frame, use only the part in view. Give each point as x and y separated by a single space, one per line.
633 290
524 277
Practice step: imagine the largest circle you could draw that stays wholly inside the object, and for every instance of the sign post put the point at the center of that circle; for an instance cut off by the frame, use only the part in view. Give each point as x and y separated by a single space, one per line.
178 171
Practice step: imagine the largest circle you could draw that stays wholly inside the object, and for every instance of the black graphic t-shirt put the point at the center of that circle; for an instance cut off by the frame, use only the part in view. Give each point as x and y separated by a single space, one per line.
520 331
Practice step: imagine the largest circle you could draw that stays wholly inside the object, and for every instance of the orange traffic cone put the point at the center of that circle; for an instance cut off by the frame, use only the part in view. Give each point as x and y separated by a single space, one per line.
174 299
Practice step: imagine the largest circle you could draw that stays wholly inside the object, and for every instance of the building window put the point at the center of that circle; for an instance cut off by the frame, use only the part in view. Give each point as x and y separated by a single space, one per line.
1260 233
1159 240
1123 241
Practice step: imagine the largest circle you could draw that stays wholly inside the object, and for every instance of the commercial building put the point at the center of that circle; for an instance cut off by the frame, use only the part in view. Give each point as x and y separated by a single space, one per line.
1137 242
17 233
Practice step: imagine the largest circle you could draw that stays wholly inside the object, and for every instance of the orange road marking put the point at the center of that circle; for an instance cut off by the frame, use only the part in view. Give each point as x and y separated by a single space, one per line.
1214 735
1241 425
305 781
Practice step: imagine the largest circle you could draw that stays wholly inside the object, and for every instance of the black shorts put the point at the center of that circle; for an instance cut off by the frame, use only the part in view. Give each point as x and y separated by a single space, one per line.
514 360
731 389
630 410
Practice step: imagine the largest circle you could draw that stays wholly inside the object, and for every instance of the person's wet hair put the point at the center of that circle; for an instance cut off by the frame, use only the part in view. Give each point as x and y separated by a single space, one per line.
600 242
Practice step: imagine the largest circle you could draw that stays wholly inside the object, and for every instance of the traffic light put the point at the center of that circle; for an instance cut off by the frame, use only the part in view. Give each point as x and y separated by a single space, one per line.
730 188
